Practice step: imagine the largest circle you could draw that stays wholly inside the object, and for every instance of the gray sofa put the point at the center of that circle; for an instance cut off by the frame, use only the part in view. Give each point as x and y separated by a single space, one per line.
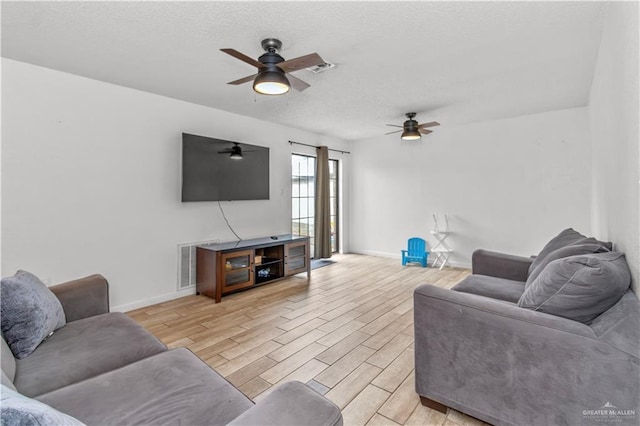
481 350
102 368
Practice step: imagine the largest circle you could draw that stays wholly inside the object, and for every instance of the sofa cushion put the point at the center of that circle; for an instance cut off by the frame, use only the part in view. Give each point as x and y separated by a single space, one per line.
292 403
171 388
495 288
567 237
579 287
618 326
16 409
570 250
84 349
30 312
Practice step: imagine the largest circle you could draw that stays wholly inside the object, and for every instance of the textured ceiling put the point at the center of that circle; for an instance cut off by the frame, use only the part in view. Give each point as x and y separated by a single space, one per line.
454 62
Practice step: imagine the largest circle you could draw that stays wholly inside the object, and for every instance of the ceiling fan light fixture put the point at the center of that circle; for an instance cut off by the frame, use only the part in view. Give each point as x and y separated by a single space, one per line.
411 129
236 153
271 82
410 135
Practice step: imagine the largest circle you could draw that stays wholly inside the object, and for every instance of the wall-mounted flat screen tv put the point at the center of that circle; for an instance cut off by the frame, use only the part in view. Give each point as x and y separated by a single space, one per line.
221 170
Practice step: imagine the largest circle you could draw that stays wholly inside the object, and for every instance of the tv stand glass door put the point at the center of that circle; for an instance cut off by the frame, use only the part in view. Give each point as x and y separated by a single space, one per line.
238 268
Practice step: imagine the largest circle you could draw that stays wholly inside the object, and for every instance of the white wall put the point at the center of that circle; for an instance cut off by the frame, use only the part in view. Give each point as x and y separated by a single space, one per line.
91 181
613 118
508 185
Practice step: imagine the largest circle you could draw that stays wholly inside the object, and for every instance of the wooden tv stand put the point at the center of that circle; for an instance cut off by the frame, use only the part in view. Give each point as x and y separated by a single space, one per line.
225 268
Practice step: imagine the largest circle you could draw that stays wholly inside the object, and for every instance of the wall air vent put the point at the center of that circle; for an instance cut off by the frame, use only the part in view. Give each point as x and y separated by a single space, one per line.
321 68
187 263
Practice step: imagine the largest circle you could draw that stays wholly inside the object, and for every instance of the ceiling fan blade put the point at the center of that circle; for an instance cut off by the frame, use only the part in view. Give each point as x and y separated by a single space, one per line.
243 57
390 133
430 124
425 131
224 152
301 62
297 84
394 125
243 80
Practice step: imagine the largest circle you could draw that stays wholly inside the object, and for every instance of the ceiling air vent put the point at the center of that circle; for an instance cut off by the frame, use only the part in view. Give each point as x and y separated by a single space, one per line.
321 68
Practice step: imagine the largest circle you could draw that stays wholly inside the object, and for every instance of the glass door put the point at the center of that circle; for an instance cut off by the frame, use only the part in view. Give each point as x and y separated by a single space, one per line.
296 257
333 204
303 183
303 186
238 270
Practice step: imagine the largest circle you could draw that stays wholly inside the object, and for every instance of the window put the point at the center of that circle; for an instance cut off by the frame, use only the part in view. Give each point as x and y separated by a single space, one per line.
303 186
303 181
333 203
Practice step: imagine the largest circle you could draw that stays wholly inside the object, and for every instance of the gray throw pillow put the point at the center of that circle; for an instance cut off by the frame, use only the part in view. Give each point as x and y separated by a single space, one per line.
17 409
579 287
570 250
30 312
563 239
567 237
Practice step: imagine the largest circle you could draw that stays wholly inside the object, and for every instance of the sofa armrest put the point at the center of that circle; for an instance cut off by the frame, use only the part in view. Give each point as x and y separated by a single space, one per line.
500 265
84 297
509 365
292 403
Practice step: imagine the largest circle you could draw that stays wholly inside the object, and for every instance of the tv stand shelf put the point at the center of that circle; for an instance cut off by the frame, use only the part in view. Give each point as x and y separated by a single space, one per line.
225 268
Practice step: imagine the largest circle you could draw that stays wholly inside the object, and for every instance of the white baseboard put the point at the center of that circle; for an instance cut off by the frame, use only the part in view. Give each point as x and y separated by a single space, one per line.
399 256
153 300
192 290
377 253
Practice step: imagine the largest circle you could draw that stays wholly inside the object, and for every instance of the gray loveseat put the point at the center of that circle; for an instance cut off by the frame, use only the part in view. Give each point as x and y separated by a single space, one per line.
480 349
102 368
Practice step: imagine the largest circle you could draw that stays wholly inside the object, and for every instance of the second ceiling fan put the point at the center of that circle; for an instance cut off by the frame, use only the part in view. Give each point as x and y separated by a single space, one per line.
271 78
235 151
411 129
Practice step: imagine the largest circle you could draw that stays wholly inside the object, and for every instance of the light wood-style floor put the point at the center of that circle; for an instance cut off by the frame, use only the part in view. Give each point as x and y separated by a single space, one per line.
348 333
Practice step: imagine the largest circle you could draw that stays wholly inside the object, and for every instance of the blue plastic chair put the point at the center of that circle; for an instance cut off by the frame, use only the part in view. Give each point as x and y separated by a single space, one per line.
416 252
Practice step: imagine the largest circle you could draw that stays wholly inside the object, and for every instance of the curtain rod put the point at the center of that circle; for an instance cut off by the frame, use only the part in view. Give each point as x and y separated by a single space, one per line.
313 146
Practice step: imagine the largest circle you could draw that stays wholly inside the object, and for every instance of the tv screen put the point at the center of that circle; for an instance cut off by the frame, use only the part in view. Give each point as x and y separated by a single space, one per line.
220 170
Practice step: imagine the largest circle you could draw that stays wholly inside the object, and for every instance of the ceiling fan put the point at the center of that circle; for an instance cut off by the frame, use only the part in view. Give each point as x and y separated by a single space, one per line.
271 78
411 129
235 151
